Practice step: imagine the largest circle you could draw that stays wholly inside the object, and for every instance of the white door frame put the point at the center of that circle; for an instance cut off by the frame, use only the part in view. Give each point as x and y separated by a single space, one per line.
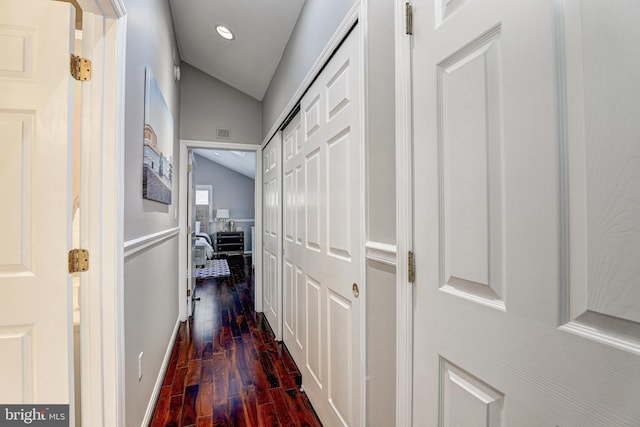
185 146
190 219
404 220
102 214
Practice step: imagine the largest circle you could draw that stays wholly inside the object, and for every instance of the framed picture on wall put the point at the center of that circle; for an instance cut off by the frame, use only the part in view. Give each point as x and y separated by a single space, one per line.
157 163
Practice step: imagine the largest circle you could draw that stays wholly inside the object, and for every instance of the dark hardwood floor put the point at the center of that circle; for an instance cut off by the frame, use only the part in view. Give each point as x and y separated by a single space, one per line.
226 368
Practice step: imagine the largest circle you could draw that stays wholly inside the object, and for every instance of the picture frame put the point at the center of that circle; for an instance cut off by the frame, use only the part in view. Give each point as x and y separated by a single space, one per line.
157 163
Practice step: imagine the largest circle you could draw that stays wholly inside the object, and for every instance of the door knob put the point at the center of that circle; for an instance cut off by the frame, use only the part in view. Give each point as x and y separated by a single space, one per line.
356 290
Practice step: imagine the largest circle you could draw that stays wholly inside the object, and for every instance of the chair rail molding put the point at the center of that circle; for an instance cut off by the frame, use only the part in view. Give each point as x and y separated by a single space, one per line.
384 253
141 243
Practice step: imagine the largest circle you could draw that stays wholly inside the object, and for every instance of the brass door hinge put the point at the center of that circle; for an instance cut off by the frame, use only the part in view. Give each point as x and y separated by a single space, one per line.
411 266
188 229
80 68
78 260
188 292
189 168
408 14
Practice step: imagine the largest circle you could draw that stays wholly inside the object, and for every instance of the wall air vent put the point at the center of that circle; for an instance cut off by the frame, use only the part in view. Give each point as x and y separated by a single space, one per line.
223 133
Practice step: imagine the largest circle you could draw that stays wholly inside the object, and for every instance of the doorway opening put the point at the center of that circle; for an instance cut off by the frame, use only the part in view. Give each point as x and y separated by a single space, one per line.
219 212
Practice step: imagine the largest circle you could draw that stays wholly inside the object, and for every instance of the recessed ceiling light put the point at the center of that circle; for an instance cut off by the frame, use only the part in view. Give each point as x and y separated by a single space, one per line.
224 32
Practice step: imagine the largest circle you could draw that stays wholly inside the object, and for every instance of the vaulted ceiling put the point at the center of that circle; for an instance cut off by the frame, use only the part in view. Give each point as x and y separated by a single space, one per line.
261 29
243 162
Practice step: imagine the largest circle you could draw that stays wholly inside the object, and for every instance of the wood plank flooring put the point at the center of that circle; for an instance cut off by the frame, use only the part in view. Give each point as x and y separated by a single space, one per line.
226 368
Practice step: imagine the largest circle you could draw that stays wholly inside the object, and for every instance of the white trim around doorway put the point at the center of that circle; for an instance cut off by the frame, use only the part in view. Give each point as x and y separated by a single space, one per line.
102 214
185 146
404 221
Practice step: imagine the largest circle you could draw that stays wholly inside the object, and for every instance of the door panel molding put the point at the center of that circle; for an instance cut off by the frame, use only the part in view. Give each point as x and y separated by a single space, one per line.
598 300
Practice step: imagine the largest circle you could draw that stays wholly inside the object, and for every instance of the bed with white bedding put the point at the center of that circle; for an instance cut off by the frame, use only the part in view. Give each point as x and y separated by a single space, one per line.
204 247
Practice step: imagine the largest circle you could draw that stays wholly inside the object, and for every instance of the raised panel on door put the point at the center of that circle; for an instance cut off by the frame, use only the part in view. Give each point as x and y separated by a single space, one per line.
289 206
602 186
289 297
300 336
313 200
17 147
300 202
273 289
466 400
469 112
274 195
266 210
315 342
339 349
16 345
339 196
36 110
525 302
266 282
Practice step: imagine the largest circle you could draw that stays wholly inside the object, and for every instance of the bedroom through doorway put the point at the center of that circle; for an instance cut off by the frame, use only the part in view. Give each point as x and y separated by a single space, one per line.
223 209
217 214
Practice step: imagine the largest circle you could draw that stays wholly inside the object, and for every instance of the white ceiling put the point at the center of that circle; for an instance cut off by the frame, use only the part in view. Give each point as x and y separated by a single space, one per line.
262 29
243 162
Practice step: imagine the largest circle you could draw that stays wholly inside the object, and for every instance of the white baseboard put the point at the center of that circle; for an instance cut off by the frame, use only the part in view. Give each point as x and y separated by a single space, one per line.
163 371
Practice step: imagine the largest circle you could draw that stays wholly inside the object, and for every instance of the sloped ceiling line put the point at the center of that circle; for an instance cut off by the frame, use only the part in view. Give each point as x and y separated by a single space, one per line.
247 63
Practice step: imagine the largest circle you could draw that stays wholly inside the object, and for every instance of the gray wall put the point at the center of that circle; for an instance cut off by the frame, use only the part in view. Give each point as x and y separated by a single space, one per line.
150 287
318 20
231 190
381 195
207 103
381 346
381 136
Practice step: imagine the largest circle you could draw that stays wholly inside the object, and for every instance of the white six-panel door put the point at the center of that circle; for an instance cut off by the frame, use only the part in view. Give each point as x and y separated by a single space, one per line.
527 213
322 229
271 239
36 110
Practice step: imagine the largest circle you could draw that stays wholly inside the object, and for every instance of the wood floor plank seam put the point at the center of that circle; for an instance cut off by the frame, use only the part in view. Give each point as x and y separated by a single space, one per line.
226 369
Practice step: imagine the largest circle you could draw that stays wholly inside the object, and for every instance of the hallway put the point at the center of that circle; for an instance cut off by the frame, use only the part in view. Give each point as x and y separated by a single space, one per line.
226 369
